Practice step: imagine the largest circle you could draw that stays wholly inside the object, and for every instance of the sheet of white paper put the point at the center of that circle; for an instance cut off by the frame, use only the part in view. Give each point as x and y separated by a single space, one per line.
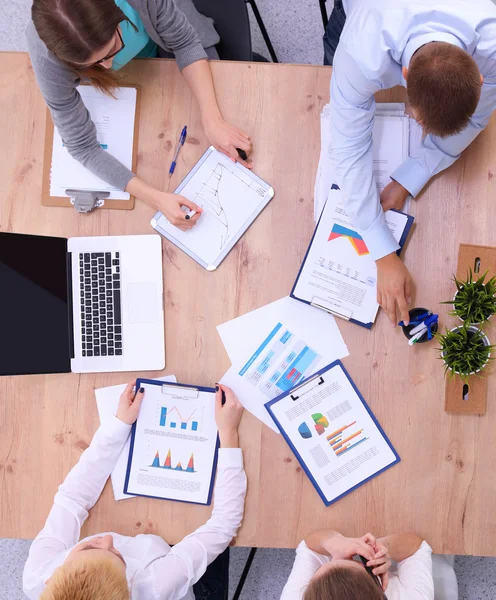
334 434
107 401
231 197
415 137
339 273
114 121
174 445
274 348
389 147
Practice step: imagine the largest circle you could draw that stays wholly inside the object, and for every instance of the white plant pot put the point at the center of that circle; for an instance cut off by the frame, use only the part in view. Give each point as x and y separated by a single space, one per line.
473 329
459 318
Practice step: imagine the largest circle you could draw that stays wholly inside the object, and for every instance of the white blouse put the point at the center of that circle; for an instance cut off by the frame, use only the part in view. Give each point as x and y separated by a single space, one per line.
154 570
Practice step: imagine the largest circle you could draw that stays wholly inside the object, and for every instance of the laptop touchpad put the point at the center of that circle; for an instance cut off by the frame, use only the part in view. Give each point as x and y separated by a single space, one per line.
142 302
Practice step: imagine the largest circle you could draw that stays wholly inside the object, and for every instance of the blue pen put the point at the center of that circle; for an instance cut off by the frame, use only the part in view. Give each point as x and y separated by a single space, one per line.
180 144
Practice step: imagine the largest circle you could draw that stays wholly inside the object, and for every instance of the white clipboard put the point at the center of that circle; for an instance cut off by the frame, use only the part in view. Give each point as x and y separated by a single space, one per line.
232 197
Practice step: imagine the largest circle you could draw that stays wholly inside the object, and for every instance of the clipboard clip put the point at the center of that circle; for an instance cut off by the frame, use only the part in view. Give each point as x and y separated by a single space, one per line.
323 305
191 393
306 382
84 201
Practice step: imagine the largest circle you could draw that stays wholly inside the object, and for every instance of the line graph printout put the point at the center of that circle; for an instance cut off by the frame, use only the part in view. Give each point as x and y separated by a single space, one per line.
339 274
231 198
174 445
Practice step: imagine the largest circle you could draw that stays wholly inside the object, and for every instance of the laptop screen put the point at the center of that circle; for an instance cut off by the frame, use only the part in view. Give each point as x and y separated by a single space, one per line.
34 308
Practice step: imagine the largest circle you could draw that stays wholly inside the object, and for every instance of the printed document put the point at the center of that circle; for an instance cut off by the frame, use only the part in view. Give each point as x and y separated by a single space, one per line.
107 402
276 347
334 436
395 137
339 274
114 121
173 445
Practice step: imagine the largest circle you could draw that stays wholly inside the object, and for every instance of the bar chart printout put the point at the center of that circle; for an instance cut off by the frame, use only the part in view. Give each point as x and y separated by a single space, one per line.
177 421
174 444
345 438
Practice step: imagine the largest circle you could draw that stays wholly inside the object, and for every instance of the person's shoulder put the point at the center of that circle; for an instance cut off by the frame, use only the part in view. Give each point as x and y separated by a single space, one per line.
36 46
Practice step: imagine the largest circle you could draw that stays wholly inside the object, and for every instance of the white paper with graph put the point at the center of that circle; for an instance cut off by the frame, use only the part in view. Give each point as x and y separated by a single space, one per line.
231 196
173 451
333 433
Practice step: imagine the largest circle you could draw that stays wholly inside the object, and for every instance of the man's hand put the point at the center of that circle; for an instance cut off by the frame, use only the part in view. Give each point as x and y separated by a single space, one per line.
393 287
394 195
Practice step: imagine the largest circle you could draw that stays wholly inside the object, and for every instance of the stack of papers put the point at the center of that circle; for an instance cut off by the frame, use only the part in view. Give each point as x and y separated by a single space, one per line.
275 348
395 138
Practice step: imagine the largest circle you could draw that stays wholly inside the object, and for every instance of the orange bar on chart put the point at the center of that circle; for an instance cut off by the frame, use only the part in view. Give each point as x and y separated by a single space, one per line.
331 435
350 438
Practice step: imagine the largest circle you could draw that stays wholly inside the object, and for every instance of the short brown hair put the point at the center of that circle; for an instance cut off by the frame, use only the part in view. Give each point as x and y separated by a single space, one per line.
91 580
74 29
444 87
340 583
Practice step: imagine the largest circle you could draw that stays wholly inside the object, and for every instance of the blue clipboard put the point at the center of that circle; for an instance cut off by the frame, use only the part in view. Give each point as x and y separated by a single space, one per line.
292 392
401 243
139 382
267 197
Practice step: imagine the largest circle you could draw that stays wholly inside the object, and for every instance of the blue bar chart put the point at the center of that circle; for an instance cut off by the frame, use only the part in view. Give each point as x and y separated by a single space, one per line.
179 422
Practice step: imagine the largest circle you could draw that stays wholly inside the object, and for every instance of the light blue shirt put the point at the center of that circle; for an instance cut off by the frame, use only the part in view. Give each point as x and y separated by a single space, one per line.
137 44
379 38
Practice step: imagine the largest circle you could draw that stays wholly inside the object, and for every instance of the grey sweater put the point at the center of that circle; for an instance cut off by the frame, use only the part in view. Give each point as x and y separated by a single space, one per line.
182 31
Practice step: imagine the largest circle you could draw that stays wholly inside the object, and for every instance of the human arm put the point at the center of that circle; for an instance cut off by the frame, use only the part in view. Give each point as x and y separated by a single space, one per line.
414 558
172 575
436 154
77 495
223 136
353 109
177 33
58 85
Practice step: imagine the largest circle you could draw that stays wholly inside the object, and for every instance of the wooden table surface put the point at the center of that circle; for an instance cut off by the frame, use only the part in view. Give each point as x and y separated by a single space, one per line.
444 488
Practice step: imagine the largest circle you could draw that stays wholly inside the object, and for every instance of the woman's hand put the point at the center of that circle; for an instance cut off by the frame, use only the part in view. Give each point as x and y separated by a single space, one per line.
342 548
227 138
380 564
227 416
170 206
130 403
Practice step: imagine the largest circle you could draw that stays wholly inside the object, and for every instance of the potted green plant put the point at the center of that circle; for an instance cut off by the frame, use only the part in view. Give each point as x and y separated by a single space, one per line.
465 350
475 299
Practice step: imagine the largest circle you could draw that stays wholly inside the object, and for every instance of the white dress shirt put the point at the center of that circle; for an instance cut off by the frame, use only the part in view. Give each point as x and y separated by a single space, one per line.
410 580
378 39
154 570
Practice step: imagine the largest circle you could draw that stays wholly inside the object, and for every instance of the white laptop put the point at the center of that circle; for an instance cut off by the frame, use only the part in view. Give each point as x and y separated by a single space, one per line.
86 304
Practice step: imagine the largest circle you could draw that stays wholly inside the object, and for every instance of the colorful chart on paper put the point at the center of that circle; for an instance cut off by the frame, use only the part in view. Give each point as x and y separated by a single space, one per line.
180 422
321 423
355 239
342 441
168 463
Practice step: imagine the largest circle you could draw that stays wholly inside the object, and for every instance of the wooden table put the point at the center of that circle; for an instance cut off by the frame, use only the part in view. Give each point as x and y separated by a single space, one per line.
444 488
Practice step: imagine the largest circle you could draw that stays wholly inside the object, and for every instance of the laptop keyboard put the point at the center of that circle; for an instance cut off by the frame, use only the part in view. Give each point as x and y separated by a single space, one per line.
101 321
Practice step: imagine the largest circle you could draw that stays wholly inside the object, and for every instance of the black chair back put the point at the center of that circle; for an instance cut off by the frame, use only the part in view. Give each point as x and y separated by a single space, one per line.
233 26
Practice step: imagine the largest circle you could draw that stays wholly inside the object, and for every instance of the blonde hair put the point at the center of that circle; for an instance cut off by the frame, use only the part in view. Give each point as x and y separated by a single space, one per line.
88 580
